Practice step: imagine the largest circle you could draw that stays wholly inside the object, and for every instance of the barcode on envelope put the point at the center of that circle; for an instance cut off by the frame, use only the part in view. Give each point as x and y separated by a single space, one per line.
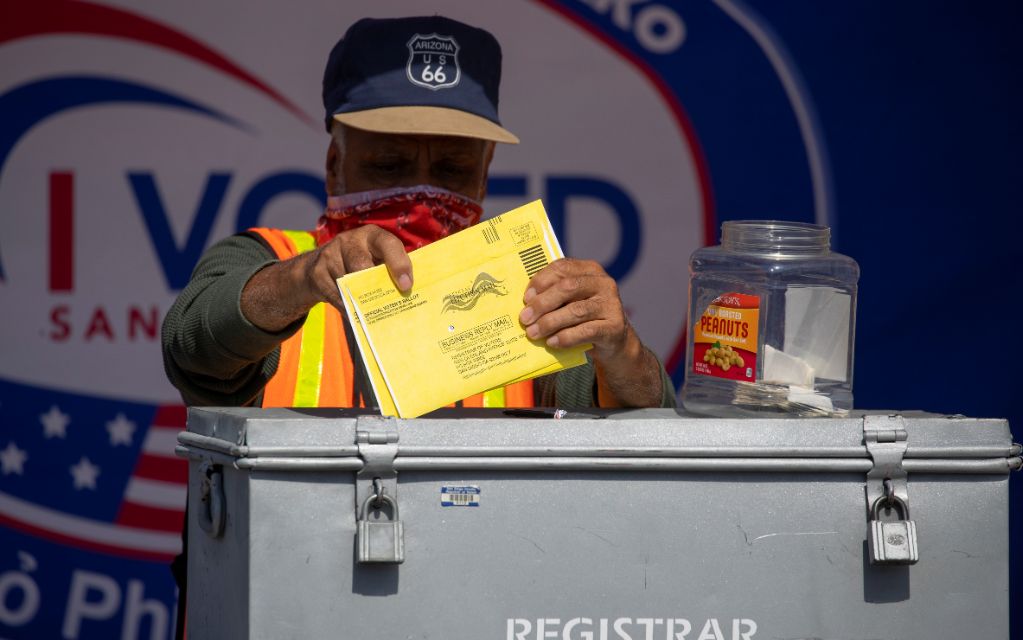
490 233
533 259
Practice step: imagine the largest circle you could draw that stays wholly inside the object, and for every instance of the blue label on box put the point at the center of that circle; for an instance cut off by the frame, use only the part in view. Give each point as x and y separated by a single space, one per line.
460 496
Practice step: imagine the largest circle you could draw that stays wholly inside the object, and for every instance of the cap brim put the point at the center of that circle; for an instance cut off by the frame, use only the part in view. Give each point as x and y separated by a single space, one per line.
436 121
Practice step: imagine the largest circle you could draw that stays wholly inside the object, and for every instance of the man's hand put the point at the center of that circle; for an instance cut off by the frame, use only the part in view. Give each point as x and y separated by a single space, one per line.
283 292
572 302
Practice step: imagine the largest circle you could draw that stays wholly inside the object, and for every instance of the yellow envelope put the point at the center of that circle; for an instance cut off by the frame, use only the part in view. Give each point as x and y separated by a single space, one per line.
376 380
456 333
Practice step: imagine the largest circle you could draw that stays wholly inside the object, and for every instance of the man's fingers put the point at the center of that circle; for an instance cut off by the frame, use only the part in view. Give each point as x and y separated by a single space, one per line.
572 314
319 271
326 271
385 247
355 251
369 246
560 293
333 296
560 270
571 302
590 332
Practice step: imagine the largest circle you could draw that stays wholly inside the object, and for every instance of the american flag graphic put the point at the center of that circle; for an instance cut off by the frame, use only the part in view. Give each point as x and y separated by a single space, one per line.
90 472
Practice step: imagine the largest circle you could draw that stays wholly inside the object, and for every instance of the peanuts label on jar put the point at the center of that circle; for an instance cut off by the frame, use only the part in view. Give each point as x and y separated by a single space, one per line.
725 338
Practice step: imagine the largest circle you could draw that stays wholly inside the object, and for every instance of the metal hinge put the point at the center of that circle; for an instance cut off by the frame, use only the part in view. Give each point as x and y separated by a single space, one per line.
376 437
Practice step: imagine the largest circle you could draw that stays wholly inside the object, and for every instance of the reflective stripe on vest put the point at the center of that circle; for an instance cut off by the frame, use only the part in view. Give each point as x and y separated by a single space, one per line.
316 367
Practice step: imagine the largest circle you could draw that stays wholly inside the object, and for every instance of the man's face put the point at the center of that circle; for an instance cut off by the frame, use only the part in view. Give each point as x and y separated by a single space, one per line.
381 160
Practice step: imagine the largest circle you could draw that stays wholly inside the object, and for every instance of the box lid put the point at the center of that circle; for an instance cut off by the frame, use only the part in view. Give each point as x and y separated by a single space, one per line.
648 438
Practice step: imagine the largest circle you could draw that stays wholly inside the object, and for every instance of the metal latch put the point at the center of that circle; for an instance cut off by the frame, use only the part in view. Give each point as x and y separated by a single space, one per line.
376 485
377 440
886 440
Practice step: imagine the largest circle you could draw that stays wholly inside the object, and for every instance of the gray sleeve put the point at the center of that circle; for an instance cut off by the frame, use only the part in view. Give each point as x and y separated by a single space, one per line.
576 388
211 352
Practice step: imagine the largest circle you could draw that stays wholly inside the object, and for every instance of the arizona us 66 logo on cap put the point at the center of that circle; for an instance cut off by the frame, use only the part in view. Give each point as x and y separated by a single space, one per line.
433 61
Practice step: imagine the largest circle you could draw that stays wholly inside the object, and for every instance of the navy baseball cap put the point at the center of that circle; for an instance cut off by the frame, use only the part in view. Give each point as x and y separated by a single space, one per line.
429 75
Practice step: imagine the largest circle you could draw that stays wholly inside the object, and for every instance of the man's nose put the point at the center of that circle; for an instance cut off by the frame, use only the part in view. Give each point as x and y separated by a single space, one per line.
420 173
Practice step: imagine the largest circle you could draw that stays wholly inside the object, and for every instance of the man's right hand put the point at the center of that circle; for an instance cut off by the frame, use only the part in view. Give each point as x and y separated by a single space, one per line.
281 293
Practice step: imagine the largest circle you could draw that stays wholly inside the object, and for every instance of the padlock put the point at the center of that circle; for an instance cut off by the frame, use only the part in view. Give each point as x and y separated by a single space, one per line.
383 540
892 542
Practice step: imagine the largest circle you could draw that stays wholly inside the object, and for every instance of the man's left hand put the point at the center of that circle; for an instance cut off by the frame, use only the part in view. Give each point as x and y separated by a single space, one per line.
572 302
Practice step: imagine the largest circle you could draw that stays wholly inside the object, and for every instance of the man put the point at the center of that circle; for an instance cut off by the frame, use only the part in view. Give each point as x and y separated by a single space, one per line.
411 105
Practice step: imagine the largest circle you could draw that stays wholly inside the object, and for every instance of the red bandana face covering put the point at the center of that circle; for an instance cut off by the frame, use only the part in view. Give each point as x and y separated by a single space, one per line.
417 215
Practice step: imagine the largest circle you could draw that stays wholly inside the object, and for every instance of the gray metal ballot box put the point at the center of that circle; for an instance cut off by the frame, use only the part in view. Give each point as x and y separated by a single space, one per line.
642 525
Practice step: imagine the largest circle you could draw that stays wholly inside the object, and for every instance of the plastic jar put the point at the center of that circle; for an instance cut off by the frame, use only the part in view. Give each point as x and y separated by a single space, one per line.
771 323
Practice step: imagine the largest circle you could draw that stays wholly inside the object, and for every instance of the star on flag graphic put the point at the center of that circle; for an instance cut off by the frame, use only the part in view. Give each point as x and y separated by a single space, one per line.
55 423
12 459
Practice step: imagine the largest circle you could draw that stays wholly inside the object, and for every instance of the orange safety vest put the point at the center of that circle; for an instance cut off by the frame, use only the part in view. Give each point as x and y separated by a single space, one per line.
316 368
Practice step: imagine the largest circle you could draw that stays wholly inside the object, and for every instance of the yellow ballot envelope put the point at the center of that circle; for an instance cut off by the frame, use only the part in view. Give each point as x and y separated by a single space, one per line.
456 332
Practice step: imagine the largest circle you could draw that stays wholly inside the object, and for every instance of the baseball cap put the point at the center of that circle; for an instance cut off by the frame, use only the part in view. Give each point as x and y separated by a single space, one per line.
424 75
